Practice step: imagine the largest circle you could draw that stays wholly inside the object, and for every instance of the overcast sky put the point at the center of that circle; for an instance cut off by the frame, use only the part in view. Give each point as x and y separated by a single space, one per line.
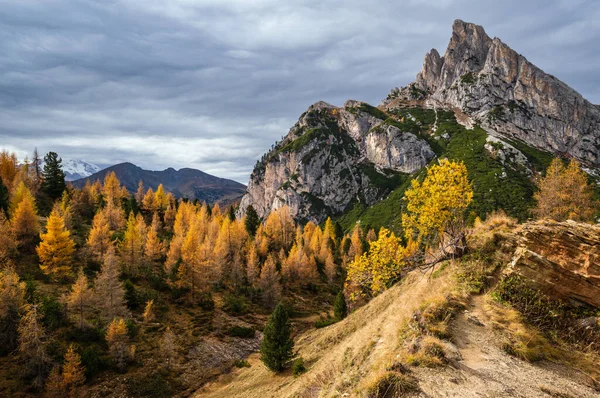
211 84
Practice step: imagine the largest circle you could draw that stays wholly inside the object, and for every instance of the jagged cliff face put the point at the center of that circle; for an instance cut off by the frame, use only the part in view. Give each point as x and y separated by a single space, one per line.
331 158
506 94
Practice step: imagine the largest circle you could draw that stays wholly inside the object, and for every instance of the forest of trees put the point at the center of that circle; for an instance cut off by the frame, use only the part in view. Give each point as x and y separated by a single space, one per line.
83 270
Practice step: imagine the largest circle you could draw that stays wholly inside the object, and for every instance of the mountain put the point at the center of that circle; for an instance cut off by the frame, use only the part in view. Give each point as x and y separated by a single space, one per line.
188 183
481 103
75 169
493 86
333 157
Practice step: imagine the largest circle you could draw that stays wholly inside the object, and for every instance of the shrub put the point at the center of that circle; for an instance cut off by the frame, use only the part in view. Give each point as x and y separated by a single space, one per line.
392 384
298 368
235 305
93 361
53 312
131 295
241 363
240 331
149 385
321 323
206 301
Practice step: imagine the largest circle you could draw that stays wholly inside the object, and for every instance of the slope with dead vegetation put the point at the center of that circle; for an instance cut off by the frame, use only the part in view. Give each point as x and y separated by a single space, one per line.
441 334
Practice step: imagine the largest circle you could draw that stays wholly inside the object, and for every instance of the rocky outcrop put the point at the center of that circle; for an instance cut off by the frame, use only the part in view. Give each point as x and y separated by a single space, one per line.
506 94
333 157
562 259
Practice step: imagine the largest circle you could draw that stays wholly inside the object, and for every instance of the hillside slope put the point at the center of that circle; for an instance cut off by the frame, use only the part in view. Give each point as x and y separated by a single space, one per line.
188 183
435 335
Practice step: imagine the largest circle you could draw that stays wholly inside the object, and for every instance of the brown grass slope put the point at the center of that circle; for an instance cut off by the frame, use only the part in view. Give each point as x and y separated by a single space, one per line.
429 336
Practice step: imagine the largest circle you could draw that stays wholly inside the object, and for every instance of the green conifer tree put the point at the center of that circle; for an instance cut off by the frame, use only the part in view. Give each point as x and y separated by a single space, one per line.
53 183
252 220
340 309
277 348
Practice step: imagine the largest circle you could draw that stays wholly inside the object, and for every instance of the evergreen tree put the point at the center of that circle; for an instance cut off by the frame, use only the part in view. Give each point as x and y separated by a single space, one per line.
340 309
56 248
231 213
277 348
53 183
252 220
4 198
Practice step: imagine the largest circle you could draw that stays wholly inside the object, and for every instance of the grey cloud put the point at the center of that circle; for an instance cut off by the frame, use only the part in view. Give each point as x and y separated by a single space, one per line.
212 84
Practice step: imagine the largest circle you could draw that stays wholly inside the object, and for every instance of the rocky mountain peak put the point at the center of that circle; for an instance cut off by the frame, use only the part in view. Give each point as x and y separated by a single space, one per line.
507 95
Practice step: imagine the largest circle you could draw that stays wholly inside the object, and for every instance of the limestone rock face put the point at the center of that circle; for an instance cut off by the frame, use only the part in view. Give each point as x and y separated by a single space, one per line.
331 158
507 95
562 259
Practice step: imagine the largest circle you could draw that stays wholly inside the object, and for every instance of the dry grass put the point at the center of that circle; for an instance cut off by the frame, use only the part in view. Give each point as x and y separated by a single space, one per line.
390 384
496 223
340 358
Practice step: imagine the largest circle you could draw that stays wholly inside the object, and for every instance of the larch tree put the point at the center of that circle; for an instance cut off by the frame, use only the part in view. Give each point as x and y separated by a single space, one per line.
435 211
118 343
149 203
109 293
32 345
149 312
140 193
375 271
564 193
132 246
24 220
12 299
8 242
161 200
56 248
68 382
154 248
169 348
8 167
79 300
252 265
330 268
112 190
269 282
100 238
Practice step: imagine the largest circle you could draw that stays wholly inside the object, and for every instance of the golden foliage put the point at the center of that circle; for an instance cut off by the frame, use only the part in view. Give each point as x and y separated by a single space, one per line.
24 219
56 248
79 301
117 340
564 193
435 208
100 238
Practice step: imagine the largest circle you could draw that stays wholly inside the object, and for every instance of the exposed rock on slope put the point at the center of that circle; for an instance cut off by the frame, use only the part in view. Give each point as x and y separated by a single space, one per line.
499 89
561 259
331 158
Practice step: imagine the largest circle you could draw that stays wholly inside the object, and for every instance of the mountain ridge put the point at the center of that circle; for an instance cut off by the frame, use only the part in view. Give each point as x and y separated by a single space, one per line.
185 182
481 96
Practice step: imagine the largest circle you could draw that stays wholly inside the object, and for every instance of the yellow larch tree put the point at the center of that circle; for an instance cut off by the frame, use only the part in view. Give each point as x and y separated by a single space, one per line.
8 167
24 219
79 300
435 208
67 383
118 343
140 193
148 203
112 190
161 200
269 282
149 312
131 248
252 265
56 248
8 242
564 193
12 299
100 237
154 248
